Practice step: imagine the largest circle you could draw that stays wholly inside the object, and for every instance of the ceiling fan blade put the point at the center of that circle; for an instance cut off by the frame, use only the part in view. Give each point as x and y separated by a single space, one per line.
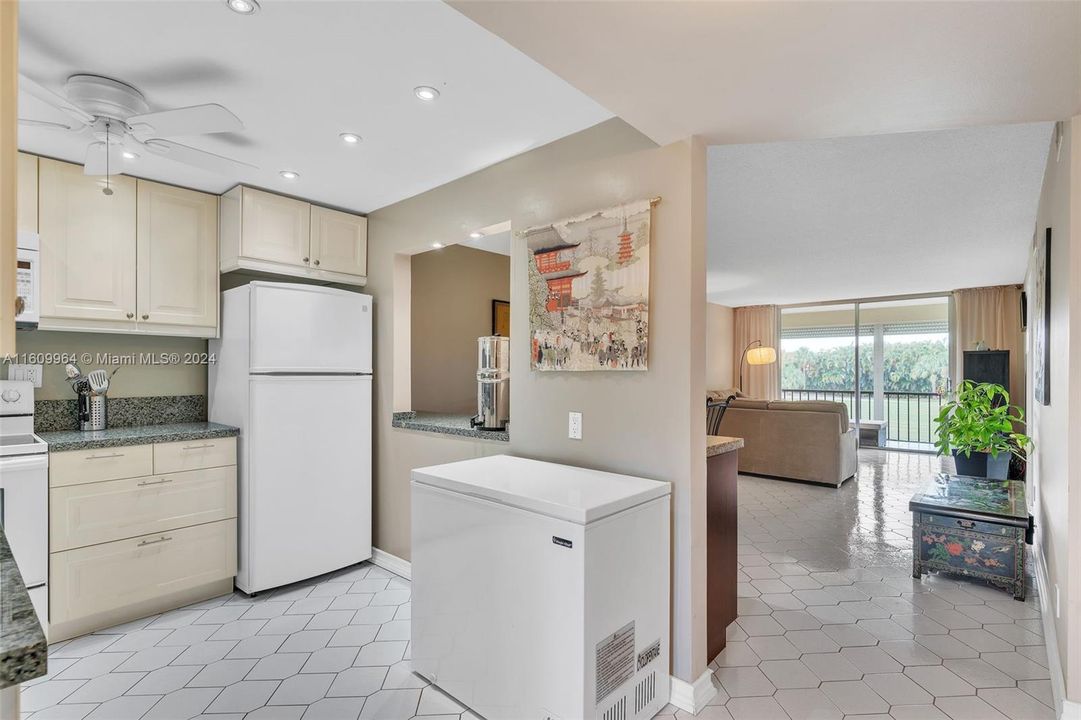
46 124
47 96
102 162
198 158
194 120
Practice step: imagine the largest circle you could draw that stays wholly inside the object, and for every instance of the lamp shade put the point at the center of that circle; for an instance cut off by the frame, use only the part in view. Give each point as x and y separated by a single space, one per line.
761 356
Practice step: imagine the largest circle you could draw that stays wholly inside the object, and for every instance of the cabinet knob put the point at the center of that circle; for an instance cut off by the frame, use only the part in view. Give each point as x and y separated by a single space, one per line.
316 262
305 259
146 317
131 315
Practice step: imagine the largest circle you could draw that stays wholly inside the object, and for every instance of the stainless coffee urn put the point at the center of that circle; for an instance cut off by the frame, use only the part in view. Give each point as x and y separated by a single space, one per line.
493 383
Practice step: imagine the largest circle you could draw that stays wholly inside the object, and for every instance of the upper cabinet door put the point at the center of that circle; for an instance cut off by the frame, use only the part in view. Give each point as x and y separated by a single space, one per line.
178 256
87 245
27 208
339 242
275 228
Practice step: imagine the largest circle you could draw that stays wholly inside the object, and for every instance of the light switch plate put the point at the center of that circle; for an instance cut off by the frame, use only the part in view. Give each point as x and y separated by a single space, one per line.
574 426
31 373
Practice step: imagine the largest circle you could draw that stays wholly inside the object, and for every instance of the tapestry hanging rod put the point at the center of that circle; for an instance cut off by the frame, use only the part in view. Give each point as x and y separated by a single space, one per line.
652 201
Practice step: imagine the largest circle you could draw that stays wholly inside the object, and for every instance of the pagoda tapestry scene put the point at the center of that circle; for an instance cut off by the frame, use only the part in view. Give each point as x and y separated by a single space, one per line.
589 291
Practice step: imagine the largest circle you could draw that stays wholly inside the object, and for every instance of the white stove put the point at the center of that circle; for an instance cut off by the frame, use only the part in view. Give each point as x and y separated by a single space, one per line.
24 490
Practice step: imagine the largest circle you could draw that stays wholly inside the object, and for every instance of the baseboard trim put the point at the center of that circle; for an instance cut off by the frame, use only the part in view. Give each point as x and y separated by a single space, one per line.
392 563
1050 637
692 697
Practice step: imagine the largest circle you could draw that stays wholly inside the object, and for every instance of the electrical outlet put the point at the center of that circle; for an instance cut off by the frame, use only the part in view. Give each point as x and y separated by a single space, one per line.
31 373
574 426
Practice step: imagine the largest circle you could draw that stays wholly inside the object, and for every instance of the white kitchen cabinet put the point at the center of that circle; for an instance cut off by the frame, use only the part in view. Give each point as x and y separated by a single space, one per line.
177 249
267 233
87 250
339 241
139 530
27 207
142 260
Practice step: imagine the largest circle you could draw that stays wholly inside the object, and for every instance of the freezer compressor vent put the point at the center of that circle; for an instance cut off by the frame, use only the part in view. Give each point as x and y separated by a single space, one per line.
645 691
618 710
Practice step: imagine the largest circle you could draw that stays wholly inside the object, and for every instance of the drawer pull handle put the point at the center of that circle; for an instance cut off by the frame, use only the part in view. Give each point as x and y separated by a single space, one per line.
198 447
144 483
104 457
162 539
966 524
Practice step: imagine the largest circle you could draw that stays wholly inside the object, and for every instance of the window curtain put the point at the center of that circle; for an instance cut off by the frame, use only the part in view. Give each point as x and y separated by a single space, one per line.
757 322
991 315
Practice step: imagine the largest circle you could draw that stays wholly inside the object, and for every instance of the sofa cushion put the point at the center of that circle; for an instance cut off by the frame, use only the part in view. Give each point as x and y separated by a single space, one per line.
723 394
815 406
748 404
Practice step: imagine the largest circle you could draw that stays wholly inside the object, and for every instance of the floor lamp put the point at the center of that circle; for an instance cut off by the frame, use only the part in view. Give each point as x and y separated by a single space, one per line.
756 354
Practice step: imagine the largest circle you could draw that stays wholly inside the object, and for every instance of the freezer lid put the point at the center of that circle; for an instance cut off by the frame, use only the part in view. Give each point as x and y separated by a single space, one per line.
575 494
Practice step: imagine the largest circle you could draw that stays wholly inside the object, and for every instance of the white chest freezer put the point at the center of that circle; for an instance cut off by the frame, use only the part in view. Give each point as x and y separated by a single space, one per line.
541 591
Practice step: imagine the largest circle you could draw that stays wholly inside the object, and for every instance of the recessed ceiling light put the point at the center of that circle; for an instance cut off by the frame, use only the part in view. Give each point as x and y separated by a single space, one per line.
426 93
350 138
476 235
129 155
437 245
289 174
243 7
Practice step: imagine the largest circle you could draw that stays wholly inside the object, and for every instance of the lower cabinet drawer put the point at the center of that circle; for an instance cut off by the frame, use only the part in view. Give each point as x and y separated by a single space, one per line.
74 467
100 578
194 454
81 515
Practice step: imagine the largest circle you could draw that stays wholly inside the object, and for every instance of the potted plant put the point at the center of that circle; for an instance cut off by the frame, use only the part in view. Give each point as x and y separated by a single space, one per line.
977 427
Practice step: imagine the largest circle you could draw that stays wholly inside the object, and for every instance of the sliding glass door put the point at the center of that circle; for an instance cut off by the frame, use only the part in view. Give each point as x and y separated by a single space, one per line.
887 360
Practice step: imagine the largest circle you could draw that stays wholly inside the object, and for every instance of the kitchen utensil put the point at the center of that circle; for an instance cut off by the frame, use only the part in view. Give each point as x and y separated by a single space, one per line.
99 381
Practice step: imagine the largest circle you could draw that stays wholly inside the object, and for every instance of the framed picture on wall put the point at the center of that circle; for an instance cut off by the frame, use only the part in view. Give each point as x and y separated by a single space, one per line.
501 318
1041 319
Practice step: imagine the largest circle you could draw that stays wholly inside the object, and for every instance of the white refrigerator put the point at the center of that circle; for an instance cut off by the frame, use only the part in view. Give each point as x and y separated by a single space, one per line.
293 370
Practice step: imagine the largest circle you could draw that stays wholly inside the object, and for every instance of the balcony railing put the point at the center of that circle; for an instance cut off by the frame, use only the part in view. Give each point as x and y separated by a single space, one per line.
910 416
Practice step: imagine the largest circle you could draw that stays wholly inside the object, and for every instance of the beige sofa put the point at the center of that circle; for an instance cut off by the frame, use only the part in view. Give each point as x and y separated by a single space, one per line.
808 441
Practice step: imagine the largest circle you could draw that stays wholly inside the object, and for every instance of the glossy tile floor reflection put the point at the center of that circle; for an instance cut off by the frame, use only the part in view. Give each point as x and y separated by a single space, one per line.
831 623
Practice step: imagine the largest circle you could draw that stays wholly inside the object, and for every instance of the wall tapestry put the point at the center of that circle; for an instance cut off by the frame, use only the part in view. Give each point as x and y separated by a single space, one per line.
1041 319
589 291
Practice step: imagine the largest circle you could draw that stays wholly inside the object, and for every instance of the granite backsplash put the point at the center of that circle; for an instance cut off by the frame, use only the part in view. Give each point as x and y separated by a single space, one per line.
53 415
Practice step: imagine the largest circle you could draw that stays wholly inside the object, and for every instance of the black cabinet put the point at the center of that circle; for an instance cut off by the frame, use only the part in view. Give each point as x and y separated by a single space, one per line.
987 366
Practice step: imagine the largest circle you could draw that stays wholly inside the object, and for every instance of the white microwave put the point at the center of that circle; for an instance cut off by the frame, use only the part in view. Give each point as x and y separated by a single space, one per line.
28 281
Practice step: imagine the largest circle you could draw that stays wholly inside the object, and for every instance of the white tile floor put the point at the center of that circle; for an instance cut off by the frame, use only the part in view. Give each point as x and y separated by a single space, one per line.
830 625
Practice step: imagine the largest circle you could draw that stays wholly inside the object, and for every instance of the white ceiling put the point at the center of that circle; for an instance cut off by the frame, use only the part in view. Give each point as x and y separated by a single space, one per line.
872 216
300 73
738 72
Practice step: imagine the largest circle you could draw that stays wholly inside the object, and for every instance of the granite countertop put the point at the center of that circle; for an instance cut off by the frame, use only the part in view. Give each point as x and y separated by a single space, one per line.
719 444
62 440
23 648
447 424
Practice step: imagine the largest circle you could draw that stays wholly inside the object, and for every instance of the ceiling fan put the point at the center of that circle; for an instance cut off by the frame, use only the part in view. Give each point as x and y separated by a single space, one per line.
116 117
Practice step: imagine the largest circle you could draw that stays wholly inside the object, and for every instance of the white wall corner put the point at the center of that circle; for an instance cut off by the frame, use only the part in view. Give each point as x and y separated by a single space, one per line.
392 563
693 697
1064 709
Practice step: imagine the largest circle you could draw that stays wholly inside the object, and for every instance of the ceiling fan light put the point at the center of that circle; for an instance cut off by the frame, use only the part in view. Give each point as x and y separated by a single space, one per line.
129 155
426 93
289 174
243 7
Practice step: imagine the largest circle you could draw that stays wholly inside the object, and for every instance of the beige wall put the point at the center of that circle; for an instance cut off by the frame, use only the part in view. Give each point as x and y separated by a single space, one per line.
718 347
1055 463
651 423
452 293
9 93
138 380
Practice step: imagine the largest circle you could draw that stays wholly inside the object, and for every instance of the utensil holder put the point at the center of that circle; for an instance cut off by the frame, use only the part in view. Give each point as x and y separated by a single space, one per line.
92 412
